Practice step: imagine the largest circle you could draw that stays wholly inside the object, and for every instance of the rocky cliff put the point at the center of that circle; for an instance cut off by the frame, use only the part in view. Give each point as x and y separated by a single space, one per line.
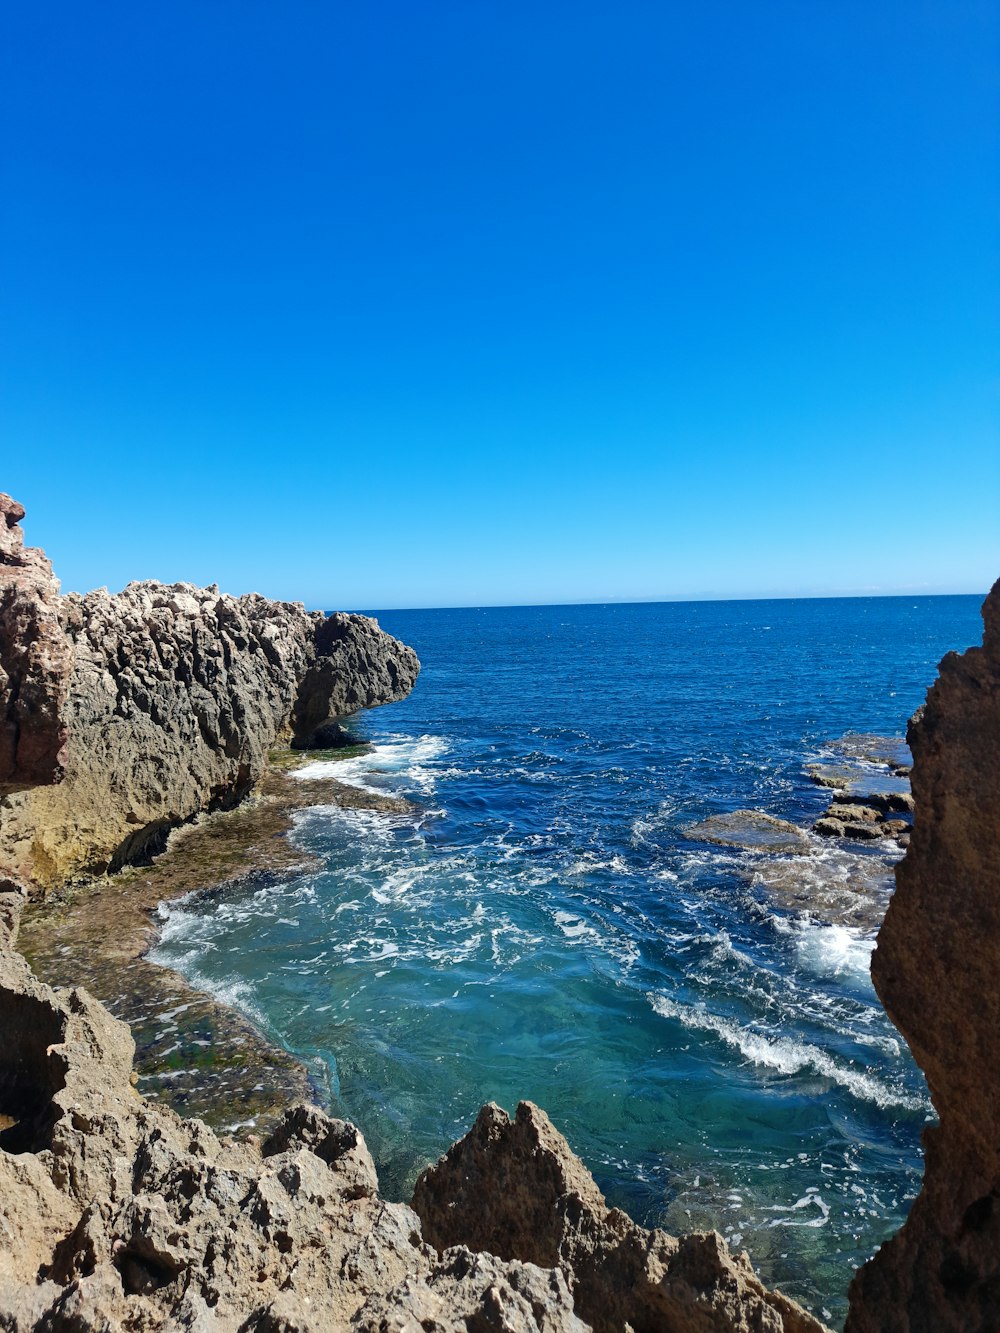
937 971
171 696
116 1216
35 662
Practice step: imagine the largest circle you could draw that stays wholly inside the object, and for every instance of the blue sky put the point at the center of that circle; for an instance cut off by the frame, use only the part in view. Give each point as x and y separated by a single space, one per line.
385 304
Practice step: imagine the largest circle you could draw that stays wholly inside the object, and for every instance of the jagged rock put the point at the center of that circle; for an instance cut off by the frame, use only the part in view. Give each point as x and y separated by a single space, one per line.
515 1189
828 827
330 736
860 830
936 968
176 695
117 1215
35 661
852 811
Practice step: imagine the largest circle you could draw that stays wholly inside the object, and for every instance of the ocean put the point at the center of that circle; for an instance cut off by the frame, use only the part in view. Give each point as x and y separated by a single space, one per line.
697 1019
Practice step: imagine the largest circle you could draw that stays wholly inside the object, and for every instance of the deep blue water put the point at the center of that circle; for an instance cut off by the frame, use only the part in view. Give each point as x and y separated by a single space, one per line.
539 928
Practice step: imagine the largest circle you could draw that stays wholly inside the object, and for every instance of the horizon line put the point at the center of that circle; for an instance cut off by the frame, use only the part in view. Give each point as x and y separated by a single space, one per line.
696 600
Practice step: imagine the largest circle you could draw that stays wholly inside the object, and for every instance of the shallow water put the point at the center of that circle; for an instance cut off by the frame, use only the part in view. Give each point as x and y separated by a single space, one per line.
539 928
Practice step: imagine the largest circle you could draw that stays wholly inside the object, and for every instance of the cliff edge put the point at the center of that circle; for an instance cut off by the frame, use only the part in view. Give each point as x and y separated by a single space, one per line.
936 968
123 715
35 661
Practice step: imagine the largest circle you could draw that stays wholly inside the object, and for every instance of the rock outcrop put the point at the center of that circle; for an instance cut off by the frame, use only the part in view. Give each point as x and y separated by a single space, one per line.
514 1188
937 971
116 1216
172 696
35 662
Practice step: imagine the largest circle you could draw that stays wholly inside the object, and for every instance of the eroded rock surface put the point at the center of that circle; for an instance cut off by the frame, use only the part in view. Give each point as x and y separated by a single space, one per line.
35 661
117 1216
514 1188
753 829
936 969
175 696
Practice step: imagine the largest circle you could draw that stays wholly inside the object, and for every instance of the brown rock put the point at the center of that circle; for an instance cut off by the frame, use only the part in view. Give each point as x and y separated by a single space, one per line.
828 827
852 811
754 829
173 695
514 1188
35 661
861 830
936 970
116 1214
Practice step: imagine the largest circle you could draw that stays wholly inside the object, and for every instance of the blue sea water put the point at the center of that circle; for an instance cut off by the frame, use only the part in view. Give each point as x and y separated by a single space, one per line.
539 928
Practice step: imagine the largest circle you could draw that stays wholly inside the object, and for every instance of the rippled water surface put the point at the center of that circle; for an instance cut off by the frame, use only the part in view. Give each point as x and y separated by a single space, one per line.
539 928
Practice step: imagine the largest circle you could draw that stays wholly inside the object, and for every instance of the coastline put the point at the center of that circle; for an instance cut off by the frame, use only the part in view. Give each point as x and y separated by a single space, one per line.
194 1053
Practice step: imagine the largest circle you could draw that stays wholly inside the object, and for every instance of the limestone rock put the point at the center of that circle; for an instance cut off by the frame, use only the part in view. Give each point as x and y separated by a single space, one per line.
754 829
515 1189
35 661
116 1214
936 969
172 695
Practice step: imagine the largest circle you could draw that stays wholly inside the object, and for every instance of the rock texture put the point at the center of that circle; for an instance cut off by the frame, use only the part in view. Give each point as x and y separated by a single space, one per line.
172 696
937 971
35 661
514 1188
116 1216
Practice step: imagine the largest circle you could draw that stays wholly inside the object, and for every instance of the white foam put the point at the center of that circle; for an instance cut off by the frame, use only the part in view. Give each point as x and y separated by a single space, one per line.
398 762
786 1055
833 950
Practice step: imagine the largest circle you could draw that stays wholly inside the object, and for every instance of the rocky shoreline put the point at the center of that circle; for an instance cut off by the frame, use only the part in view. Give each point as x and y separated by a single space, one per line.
125 722
195 1054
838 866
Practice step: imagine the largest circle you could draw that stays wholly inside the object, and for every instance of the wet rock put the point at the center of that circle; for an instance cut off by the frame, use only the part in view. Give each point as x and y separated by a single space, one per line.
935 968
840 886
872 786
892 751
840 777
330 736
849 810
861 830
892 828
864 823
828 827
753 829
514 1188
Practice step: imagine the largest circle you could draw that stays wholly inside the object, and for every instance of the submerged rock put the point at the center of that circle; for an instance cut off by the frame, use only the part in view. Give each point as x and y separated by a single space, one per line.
514 1188
753 829
172 695
936 969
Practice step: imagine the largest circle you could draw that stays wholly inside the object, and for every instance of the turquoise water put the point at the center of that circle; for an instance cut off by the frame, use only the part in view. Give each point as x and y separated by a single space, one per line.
539 928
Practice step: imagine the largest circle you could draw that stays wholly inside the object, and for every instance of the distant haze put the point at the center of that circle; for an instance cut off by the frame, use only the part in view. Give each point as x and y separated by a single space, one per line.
395 305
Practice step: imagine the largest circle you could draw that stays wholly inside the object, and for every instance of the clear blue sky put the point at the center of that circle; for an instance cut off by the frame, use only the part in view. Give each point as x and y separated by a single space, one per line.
396 304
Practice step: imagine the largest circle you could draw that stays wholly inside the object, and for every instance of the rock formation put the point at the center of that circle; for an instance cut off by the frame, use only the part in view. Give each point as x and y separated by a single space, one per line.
116 1215
513 1188
35 662
937 971
172 696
